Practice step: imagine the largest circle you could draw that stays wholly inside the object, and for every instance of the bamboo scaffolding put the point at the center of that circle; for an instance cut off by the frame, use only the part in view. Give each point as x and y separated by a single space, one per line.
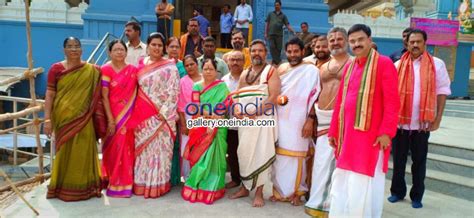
26 75
16 115
10 183
20 126
25 182
32 87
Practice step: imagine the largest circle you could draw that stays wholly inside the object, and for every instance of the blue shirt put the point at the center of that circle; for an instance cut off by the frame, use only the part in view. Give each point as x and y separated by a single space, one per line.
203 25
226 23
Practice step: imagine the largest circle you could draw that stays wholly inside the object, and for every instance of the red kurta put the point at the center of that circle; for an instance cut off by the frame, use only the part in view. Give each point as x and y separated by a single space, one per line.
358 153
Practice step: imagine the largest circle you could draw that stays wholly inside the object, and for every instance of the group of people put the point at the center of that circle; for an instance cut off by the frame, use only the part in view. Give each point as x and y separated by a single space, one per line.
332 140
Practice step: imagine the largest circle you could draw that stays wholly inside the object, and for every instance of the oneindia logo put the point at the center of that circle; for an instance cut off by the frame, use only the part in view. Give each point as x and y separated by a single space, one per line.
243 109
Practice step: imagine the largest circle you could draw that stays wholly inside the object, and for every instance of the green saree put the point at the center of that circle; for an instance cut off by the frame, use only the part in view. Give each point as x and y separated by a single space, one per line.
206 152
76 173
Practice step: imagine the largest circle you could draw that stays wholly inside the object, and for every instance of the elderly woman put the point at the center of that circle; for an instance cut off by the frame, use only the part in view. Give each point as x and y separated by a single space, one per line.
72 98
155 116
119 90
207 147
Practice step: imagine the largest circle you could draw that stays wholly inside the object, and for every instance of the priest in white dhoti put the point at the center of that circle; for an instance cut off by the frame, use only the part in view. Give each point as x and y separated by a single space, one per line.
259 85
296 119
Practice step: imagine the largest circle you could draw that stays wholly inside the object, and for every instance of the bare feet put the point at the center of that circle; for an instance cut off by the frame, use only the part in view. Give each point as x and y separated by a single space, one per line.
296 201
231 184
273 198
243 192
258 201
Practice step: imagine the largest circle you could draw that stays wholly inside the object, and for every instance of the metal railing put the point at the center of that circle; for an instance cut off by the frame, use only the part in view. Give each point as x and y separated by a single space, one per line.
101 49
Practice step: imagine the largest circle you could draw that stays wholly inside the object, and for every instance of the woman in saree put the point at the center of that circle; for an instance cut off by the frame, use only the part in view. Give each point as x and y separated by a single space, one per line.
207 147
185 91
119 89
72 101
164 11
155 116
173 48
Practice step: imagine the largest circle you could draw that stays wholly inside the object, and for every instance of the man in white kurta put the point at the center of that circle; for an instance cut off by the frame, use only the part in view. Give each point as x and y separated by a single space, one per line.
300 84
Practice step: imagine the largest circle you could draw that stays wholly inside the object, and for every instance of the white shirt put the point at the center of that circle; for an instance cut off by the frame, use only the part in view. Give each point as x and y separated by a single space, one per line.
242 13
134 54
311 58
232 84
442 88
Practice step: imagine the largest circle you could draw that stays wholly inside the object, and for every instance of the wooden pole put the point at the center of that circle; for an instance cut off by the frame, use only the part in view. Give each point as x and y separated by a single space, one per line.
18 127
25 182
28 111
32 86
10 183
25 75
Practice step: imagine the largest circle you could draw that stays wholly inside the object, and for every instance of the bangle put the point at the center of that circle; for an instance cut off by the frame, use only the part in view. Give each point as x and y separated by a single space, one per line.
312 116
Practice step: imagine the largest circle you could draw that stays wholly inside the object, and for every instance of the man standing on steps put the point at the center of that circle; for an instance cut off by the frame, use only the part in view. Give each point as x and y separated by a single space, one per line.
274 31
324 161
242 17
136 48
424 85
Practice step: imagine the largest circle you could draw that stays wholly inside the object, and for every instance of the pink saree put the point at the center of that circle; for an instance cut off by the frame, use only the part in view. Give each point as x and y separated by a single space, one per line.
118 149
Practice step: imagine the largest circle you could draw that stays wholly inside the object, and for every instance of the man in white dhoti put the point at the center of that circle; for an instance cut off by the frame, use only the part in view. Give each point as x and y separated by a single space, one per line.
300 83
256 150
324 160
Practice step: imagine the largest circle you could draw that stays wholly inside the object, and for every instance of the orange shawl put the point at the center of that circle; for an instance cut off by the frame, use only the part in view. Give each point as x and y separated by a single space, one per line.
406 88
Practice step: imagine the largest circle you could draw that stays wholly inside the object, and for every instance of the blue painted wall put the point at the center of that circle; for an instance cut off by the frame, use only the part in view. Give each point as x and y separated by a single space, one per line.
47 40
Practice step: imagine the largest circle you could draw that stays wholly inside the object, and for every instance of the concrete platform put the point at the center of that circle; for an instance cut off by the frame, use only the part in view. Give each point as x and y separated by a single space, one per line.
172 205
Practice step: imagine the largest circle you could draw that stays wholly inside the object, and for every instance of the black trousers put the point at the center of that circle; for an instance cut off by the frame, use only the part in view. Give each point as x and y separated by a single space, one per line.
417 142
232 159
225 40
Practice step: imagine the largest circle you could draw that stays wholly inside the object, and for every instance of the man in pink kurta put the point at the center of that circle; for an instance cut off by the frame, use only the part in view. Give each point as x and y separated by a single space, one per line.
362 157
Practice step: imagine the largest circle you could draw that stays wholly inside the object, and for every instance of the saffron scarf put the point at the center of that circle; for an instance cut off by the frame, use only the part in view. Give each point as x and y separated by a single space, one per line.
364 98
406 86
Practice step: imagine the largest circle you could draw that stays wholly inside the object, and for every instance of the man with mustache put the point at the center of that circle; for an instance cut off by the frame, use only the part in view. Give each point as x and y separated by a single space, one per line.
191 42
324 160
256 150
321 53
135 47
362 125
424 85
296 121
238 43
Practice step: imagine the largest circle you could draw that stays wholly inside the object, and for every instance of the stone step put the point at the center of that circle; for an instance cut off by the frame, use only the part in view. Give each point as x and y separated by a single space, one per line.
452 165
442 182
451 151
